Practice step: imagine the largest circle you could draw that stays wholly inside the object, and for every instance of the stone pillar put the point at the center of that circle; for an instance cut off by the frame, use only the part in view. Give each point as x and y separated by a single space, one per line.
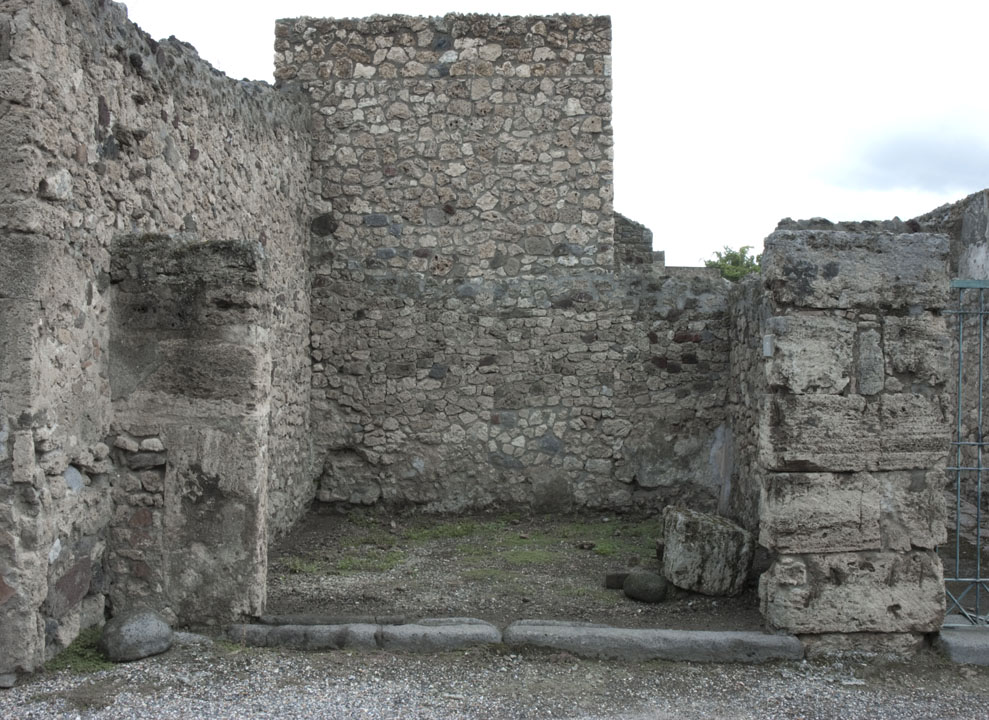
854 434
191 382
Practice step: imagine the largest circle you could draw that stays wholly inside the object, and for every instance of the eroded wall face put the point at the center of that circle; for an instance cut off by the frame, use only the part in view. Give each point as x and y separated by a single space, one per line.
192 374
474 341
853 437
106 133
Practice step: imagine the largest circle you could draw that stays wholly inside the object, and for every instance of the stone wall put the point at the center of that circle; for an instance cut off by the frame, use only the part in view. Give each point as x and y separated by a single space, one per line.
853 438
108 134
474 340
424 298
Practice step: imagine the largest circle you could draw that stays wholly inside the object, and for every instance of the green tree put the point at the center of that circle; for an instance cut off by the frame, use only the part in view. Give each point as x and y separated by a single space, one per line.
734 264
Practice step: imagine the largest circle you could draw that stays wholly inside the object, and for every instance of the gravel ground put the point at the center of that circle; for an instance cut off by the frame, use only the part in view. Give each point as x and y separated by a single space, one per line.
224 681
484 567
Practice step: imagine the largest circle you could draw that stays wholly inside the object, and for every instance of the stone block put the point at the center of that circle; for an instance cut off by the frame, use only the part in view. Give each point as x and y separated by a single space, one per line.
870 371
813 353
819 512
811 433
839 269
705 553
914 431
918 346
886 592
913 512
845 512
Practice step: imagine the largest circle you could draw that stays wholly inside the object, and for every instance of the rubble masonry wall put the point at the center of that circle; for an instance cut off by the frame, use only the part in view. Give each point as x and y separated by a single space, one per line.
474 341
108 134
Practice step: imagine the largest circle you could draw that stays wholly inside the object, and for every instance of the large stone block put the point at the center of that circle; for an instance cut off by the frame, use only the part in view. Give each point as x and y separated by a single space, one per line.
813 353
888 592
913 512
918 347
705 553
839 269
810 433
914 431
819 512
843 512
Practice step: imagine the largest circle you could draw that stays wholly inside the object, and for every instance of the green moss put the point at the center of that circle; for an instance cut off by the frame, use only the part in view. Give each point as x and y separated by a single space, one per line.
442 531
82 656
303 566
610 547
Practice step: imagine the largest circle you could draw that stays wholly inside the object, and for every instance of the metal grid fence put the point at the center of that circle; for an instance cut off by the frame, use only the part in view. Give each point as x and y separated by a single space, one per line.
965 581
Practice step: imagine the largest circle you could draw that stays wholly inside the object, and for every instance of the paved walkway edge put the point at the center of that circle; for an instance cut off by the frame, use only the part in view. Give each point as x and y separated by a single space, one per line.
639 644
967 645
582 639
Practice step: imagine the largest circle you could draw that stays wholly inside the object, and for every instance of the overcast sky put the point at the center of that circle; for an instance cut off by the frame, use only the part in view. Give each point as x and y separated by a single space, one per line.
729 116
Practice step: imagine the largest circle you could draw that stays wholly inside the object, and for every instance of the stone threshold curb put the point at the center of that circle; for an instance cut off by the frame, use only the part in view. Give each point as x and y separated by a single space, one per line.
582 639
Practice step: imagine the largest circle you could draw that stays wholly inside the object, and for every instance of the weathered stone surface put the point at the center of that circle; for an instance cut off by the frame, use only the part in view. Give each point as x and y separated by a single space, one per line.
627 644
705 553
885 592
809 433
819 512
134 635
847 269
812 353
918 346
646 587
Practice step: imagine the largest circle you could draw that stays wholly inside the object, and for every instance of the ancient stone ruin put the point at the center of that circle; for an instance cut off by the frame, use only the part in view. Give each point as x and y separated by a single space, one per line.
397 277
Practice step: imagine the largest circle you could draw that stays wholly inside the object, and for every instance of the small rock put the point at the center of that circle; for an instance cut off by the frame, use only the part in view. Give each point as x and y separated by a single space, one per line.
152 445
7 681
646 587
586 545
57 186
136 634
125 443
144 460
615 580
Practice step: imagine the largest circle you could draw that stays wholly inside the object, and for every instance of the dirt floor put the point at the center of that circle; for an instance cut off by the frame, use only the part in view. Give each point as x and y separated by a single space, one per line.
499 568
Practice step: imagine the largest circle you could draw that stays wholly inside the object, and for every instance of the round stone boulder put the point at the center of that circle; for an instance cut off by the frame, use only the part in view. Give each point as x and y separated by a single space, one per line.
136 634
646 587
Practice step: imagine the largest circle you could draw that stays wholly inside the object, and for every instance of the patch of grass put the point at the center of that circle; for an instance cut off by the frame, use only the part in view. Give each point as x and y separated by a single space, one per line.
371 560
82 656
529 556
610 547
303 566
443 531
